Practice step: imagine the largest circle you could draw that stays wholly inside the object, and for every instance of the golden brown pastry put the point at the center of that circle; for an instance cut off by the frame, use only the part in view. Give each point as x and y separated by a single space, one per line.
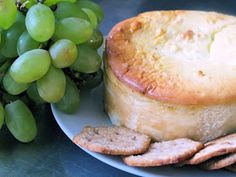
172 74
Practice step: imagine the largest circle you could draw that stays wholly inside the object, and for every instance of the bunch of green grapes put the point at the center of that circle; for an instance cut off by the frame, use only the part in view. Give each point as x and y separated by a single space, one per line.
48 52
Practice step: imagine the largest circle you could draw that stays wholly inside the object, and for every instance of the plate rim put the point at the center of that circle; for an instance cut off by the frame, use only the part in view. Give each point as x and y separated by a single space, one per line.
93 154
147 172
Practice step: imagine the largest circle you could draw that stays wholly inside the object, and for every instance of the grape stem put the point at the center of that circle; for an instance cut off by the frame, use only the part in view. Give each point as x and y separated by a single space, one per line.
18 3
21 6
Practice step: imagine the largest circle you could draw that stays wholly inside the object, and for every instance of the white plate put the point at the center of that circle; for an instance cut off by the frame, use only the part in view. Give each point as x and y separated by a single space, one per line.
91 113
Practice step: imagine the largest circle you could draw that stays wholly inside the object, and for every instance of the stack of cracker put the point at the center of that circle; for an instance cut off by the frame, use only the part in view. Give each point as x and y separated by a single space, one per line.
137 149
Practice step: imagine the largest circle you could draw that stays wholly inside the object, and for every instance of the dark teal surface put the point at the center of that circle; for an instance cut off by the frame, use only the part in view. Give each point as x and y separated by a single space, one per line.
52 154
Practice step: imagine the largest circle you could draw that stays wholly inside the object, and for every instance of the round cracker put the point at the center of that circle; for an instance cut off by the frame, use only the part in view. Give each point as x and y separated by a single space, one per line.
112 140
219 162
221 146
165 153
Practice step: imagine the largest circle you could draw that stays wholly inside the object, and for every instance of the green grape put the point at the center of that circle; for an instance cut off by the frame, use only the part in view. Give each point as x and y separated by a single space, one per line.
11 86
88 60
40 22
67 9
96 40
71 99
20 17
26 43
10 36
30 66
8 46
63 53
53 2
33 94
92 6
7 13
92 17
52 86
2 113
75 29
20 121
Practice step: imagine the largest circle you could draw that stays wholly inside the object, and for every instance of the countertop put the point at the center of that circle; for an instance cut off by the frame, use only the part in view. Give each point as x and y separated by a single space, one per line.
52 154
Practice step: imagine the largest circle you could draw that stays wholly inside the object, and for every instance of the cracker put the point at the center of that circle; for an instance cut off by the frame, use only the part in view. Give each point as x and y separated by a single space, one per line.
112 140
165 153
232 168
221 146
219 162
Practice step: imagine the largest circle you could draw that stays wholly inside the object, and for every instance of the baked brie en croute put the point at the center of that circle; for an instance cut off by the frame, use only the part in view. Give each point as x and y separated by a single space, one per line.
172 74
